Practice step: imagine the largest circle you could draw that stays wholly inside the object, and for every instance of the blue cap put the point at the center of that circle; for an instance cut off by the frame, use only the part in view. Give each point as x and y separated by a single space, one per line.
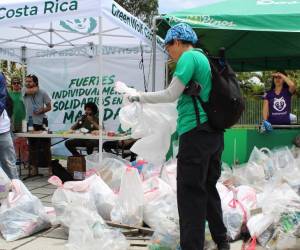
181 31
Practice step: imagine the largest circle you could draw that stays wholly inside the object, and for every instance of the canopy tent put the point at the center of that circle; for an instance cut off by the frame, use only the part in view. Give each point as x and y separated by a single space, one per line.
32 24
257 34
34 31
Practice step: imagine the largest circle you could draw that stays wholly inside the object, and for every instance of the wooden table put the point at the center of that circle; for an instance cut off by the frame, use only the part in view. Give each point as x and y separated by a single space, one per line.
43 134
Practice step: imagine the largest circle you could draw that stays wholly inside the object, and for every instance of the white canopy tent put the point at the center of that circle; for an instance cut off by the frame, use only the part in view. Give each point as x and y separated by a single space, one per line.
36 29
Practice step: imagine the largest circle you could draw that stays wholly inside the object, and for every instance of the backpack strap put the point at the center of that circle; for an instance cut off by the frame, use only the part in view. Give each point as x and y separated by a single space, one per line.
196 111
193 90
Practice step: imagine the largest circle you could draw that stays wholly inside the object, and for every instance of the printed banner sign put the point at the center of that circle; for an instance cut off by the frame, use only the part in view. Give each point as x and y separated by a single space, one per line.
72 82
15 12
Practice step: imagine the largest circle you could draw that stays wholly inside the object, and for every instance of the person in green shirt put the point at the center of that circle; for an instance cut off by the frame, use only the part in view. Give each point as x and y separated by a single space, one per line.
200 146
19 112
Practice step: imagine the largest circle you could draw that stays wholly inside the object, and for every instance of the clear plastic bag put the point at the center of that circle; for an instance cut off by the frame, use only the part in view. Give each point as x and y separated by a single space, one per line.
21 213
129 203
236 205
160 212
112 170
169 173
259 223
92 193
283 158
5 183
104 197
158 123
250 174
88 231
152 124
150 170
265 158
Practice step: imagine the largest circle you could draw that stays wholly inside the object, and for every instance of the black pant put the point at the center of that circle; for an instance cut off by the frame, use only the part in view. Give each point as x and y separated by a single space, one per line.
39 150
72 144
114 148
198 169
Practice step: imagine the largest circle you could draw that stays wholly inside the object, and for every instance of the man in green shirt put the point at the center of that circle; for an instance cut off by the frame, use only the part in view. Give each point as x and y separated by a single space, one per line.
19 111
200 147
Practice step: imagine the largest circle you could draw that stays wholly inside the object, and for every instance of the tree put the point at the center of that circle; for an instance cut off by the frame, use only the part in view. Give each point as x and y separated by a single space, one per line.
249 89
143 9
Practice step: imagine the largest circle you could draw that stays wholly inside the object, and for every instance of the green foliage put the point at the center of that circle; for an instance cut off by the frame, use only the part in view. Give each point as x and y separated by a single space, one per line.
143 9
251 89
14 71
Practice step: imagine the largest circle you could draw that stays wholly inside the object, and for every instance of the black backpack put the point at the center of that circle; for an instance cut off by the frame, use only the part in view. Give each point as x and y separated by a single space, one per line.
225 105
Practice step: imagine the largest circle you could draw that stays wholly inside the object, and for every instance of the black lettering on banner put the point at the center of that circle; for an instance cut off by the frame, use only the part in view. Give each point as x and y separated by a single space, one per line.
108 113
117 113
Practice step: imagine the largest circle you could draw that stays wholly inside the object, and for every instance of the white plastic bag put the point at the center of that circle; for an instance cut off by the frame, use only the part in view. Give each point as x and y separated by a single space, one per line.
129 203
21 213
104 197
111 171
150 170
5 183
259 223
92 193
161 212
236 205
265 158
169 173
153 124
283 158
88 231
157 122
250 174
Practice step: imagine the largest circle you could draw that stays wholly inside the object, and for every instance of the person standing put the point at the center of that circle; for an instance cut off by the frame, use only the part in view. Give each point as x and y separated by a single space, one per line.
19 112
277 101
37 103
7 151
200 146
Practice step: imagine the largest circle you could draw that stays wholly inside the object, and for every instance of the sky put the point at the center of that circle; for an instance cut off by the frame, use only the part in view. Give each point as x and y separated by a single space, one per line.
167 6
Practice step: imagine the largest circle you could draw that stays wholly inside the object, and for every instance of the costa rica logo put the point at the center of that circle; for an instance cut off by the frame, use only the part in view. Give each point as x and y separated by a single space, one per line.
80 25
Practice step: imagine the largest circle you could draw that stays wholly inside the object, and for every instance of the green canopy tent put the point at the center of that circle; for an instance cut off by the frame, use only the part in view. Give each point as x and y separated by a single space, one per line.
257 34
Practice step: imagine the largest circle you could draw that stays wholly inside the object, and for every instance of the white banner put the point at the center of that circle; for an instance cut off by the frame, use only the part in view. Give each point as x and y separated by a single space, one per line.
14 12
72 82
119 15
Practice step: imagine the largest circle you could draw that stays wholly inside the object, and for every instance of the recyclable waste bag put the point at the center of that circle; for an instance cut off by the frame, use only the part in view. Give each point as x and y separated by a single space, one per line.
21 213
5 183
129 203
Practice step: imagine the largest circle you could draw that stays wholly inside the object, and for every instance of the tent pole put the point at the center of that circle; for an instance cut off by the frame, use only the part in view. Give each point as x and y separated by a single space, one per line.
154 29
23 60
100 72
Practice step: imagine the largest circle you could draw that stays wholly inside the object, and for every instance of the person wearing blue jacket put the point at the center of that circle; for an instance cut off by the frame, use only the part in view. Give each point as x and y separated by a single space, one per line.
7 151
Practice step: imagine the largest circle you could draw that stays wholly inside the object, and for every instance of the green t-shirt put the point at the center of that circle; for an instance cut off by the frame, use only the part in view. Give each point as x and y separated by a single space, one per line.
192 65
19 112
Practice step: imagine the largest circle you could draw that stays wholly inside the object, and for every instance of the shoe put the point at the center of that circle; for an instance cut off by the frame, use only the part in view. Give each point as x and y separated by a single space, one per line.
223 246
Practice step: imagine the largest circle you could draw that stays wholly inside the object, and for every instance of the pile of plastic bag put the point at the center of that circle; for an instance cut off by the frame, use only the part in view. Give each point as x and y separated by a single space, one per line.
80 207
268 207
